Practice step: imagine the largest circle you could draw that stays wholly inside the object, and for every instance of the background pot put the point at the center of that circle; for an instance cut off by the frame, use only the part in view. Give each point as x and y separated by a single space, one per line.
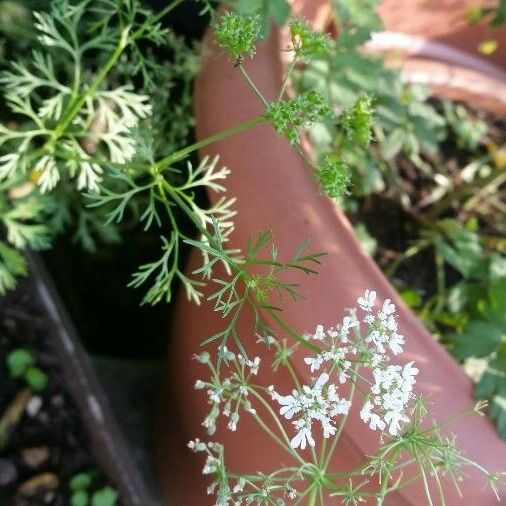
268 179
107 444
450 73
444 21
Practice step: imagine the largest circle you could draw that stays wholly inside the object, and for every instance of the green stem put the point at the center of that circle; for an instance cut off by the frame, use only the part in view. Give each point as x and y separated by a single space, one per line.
304 158
386 479
311 500
253 86
271 412
80 101
286 79
341 424
76 105
439 485
157 17
410 252
291 331
273 313
292 373
449 421
424 476
183 153
269 432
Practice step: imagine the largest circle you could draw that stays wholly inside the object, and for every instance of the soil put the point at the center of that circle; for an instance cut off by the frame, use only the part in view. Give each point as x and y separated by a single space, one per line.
45 441
395 226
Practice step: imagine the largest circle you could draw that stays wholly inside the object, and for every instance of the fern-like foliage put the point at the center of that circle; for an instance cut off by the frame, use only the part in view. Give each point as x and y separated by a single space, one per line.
80 102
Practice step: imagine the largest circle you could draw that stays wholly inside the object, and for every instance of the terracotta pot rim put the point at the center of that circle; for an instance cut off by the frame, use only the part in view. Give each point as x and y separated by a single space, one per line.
424 47
457 83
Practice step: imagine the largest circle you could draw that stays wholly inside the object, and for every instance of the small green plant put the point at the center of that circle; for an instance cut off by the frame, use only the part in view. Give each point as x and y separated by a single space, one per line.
288 116
81 493
238 34
20 363
81 102
483 338
333 176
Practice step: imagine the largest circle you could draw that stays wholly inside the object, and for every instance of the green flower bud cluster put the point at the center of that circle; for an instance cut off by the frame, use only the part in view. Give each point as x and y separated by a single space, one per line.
238 34
306 42
333 175
357 120
302 111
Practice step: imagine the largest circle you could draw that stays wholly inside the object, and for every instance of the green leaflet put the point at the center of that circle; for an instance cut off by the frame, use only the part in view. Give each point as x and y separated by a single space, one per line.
486 338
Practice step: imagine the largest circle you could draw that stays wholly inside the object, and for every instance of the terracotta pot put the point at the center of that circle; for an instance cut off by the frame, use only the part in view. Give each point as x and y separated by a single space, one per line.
275 192
444 21
397 47
450 73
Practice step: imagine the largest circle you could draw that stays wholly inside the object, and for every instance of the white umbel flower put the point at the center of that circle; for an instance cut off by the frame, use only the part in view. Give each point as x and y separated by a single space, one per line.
367 301
392 390
316 403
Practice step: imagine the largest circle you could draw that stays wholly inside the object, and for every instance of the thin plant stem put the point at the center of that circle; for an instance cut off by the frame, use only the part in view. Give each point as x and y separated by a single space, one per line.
293 374
157 17
286 79
304 494
424 476
384 484
75 107
253 86
271 412
438 483
340 428
311 500
273 436
273 313
183 153
291 331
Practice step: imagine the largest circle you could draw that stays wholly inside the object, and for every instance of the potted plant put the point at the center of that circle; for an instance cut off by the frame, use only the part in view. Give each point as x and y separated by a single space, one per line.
92 140
269 172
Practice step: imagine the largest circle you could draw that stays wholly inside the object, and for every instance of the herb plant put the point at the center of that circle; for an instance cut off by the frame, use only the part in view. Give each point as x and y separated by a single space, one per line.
86 140
356 352
457 217
78 109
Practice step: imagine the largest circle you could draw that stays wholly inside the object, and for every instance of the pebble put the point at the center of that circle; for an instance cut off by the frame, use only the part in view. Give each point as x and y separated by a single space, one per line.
44 482
33 406
8 472
57 401
35 457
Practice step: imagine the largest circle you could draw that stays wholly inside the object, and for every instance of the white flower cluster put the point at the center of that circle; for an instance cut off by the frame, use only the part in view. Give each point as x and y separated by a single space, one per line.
346 350
228 395
335 355
391 391
382 326
316 403
393 384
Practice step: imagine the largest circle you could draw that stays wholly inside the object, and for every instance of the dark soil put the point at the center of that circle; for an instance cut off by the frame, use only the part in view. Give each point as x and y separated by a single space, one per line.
395 227
45 444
